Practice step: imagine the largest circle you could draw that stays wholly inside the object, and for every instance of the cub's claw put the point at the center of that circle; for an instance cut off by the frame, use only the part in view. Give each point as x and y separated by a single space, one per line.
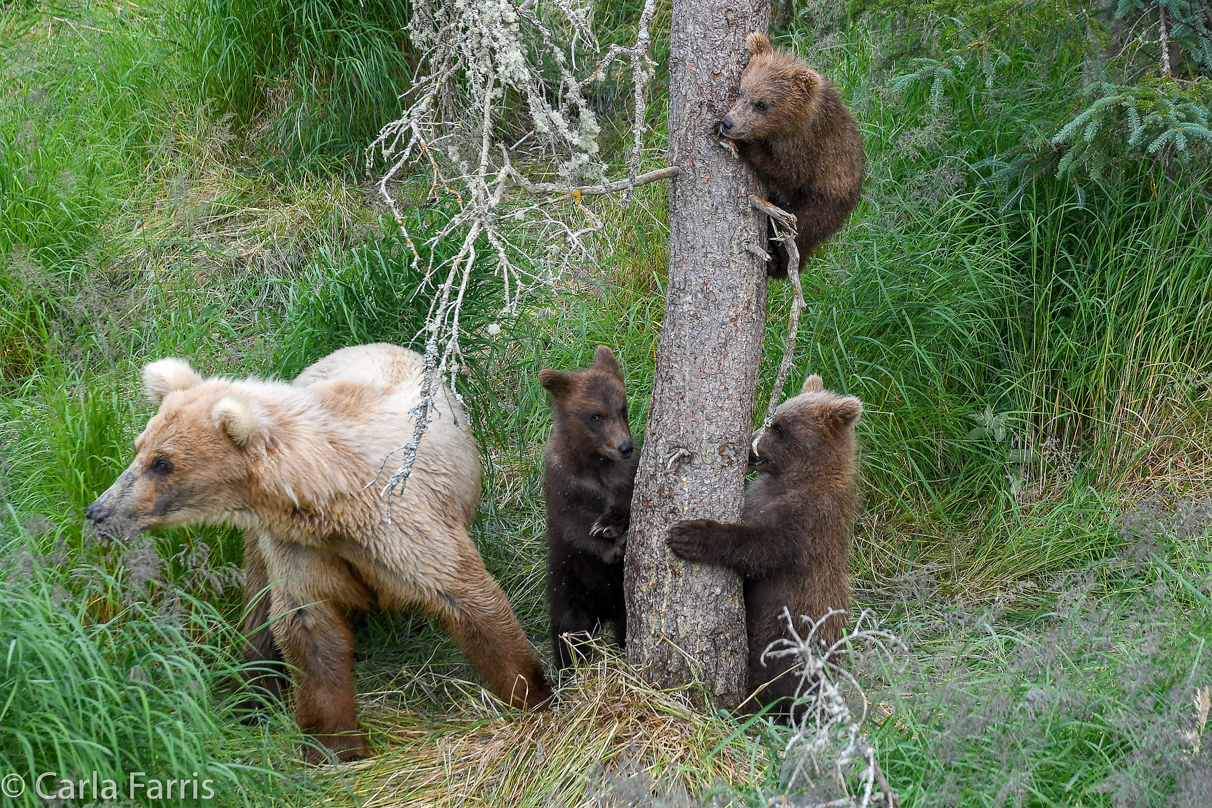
601 531
610 525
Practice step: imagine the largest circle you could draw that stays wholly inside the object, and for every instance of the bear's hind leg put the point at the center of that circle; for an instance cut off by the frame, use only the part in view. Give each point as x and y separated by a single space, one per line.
620 629
568 625
477 615
775 685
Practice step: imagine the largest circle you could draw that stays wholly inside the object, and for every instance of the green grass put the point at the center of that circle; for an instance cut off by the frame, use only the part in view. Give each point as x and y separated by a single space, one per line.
1086 703
315 78
175 180
101 675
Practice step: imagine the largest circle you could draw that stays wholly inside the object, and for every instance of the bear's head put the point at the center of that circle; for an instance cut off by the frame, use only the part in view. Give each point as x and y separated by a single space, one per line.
591 408
193 458
778 94
813 429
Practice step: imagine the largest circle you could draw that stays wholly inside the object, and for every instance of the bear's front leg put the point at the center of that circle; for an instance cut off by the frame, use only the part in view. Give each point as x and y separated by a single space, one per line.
751 550
580 534
264 674
703 540
570 629
317 640
612 526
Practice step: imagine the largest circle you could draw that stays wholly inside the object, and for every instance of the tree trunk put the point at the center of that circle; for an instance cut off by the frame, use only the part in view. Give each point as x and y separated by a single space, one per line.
687 620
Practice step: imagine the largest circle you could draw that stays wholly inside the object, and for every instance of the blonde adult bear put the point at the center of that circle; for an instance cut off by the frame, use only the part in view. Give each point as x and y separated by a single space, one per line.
299 467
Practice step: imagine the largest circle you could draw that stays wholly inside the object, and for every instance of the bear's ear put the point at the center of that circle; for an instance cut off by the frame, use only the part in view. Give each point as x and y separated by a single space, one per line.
240 420
845 410
813 384
557 383
757 44
167 376
808 81
603 358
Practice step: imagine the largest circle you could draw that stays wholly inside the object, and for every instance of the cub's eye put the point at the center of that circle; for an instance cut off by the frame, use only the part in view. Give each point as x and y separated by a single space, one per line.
761 106
778 428
595 417
162 465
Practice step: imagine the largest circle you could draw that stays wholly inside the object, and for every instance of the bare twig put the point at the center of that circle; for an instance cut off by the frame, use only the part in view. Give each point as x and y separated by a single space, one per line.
629 185
527 190
641 72
784 226
823 728
1164 40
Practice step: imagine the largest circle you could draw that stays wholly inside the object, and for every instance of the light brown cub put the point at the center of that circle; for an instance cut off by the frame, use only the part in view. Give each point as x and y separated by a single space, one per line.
793 541
793 129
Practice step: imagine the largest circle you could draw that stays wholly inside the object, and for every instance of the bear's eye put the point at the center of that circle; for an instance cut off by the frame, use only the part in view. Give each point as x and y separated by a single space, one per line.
162 465
761 106
595 417
778 428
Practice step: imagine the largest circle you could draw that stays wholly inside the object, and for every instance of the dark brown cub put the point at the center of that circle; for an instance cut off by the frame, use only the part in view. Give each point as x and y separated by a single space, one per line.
590 470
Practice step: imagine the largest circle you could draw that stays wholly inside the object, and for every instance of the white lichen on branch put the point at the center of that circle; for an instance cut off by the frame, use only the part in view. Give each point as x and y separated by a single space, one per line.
493 70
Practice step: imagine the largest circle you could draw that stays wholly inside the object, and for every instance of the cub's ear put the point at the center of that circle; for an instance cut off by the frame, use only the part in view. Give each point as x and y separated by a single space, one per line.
757 44
557 383
603 358
241 420
845 411
167 376
813 384
808 81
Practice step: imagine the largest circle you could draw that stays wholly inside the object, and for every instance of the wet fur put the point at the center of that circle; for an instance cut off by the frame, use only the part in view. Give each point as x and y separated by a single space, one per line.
793 542
290 465
587 488
805 147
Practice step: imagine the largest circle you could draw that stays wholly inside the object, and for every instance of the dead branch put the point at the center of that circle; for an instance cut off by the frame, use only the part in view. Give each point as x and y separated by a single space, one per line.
537 188
784 226
825 730
476 56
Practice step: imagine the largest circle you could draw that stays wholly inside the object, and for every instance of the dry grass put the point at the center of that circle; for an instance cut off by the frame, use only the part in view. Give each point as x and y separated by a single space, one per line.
605 719
245 218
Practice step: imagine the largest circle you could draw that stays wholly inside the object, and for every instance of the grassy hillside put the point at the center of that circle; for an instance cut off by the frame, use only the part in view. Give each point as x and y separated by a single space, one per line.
1032 343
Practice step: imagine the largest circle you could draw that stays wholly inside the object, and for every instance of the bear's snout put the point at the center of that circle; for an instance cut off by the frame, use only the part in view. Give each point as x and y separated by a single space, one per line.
99 510
625 448
726 124
108 512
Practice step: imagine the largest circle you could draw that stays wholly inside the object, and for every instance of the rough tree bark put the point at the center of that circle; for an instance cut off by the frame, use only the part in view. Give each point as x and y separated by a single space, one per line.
686 620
